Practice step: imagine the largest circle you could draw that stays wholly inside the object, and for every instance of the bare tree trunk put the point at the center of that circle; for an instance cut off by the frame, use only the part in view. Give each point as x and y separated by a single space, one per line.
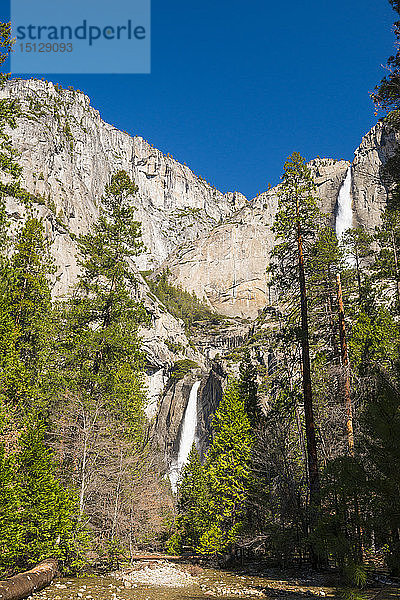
312 456
334 343
83 468
117 496
346 366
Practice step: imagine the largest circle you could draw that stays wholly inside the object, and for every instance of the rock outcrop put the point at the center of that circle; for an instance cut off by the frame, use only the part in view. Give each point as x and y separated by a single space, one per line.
368 188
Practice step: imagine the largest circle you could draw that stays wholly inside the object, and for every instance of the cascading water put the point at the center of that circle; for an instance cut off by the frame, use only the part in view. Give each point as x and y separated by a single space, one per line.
344 213
188 435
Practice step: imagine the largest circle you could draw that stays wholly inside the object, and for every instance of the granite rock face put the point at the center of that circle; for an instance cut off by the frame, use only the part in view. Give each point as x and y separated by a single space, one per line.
216 245
227 267
68 154
368 188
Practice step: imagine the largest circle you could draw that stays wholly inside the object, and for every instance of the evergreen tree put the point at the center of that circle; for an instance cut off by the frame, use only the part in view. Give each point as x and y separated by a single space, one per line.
9 111
38 516
101 364
227 470
386 266
248 387
356 244
381 426
192 506
10 531
295 227
48 515
387 93
15 388
27 291
325 261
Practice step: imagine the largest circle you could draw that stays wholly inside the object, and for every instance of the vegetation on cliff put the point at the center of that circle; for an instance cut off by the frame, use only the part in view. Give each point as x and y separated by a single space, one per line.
181 303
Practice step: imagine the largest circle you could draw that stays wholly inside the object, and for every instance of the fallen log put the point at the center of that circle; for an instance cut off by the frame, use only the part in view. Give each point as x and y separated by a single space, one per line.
24 584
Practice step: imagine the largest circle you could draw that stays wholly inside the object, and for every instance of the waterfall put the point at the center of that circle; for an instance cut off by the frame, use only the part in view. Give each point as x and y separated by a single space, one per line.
344 211
188 435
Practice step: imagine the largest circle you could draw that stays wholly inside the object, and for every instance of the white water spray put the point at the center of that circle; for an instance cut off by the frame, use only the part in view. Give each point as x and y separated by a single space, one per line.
344 214
188 434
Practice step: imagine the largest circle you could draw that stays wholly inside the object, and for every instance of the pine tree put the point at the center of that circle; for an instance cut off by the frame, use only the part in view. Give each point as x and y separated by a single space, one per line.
381 444
227 470
356 244
325 261
295 227
192 506
47 515
387 93
386 266
248 387
9 111
99 358
10 530
27 291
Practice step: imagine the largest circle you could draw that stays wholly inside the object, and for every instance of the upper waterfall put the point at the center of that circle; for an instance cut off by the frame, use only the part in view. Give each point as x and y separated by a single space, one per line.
188 435
344 211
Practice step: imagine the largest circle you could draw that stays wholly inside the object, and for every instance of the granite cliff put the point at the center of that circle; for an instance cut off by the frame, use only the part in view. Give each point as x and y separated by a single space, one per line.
216 245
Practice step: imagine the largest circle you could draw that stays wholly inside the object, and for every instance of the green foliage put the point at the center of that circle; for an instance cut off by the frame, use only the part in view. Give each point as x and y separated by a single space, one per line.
48 510
248 387
181 368
98 366
354 579
10 531
227 473
374 339
9 111
192 506
386 95
181 303
175 347
38 515
344 486
297 207
381 426
27 292
386 266
212 498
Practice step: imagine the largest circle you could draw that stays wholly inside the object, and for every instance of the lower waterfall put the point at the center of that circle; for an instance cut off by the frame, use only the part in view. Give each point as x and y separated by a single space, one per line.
188 434
344 212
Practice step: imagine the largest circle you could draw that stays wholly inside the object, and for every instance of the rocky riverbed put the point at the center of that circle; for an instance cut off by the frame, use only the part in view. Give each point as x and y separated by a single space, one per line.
162 580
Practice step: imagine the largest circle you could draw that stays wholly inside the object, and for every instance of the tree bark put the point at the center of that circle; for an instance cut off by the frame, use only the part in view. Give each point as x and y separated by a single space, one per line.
24 584
312 456
346 367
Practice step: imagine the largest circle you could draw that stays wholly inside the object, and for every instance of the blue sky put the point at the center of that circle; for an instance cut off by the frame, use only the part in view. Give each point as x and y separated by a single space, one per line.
237 86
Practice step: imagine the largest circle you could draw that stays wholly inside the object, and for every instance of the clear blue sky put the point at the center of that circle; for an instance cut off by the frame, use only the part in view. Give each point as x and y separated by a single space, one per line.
237 85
